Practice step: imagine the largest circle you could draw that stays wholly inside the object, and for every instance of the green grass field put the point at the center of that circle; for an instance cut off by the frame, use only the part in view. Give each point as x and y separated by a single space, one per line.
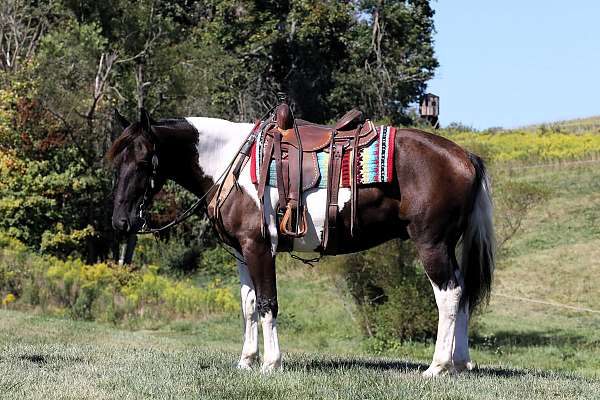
61 359
524 350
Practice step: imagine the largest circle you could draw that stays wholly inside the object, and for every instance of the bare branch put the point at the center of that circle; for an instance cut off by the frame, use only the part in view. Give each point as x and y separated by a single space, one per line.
20 33
100 82
147 46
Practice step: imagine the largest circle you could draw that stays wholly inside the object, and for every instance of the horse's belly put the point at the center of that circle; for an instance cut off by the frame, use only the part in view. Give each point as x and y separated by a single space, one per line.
315 200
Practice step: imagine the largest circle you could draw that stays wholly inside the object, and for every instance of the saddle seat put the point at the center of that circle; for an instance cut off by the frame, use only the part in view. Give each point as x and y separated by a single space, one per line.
315 137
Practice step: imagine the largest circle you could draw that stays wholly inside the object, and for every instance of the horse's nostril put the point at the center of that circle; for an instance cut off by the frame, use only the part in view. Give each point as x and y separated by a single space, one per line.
121 225
125 225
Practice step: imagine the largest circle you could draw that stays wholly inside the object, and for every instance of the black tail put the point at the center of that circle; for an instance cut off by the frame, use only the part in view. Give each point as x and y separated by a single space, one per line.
478 241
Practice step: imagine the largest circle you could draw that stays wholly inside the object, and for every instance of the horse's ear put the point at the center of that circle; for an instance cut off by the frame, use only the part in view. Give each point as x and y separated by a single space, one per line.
121 119
146 120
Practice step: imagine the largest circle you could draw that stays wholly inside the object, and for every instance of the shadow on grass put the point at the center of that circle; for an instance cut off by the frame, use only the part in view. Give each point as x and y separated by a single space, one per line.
41 360
527 339
337 363
330 365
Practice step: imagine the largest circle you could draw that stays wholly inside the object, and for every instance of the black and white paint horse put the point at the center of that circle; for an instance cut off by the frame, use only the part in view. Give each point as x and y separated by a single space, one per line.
439 195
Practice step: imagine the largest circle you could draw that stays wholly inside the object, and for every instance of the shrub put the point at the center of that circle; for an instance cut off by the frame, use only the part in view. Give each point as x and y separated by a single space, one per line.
392 294
104 292
514 199
60 243
199 257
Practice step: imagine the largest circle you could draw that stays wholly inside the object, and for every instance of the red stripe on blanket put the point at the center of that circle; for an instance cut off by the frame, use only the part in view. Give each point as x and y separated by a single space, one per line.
391 148
253 164
346 170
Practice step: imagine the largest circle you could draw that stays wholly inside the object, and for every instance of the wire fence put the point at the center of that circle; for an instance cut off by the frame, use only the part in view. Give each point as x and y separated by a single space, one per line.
514 168
548 303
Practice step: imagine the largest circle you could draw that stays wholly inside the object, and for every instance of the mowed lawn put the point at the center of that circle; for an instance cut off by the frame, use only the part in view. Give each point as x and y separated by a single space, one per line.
524 350
60 359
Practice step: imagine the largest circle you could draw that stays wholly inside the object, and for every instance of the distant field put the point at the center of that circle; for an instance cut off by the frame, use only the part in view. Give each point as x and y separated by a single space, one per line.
524 349
572 125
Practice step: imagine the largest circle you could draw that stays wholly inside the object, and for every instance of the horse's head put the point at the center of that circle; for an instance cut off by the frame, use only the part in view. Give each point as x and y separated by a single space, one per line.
134 156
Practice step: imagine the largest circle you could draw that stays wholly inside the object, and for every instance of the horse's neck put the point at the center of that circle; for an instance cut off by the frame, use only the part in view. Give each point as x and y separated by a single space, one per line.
218 141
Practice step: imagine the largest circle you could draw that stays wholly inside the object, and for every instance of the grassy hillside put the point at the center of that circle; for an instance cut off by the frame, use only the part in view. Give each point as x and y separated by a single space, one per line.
572 125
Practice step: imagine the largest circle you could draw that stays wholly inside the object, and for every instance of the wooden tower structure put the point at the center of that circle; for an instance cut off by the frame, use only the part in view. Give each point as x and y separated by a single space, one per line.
430 109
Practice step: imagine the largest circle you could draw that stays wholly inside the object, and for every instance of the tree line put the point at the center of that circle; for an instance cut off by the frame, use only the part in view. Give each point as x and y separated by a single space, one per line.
66 64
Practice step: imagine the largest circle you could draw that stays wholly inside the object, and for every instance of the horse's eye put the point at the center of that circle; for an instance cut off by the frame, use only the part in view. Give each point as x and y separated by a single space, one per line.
143 164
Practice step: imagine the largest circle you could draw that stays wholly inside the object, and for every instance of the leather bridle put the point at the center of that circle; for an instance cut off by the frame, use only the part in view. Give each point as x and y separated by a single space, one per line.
142 209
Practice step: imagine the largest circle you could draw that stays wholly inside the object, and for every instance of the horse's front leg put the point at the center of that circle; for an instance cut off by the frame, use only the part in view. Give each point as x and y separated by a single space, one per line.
250 317
261 265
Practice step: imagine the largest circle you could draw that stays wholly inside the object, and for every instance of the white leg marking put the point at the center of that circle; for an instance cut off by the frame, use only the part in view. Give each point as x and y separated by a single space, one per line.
250 317
460 355
447 301
272 354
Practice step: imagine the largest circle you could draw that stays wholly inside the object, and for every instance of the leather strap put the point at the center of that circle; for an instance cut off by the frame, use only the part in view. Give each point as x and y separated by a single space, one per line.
353 184
329 241
294 172
262 180
222 193
264 166
279 170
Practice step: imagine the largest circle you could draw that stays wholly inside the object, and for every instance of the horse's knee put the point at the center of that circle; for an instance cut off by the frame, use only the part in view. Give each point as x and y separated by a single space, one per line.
267 305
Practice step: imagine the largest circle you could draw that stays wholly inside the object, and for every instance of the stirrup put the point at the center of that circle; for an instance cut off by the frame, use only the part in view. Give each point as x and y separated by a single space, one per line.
288 222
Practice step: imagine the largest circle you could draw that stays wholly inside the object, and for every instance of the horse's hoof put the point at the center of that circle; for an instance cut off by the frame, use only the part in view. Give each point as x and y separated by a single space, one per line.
435 370
464 366
270 367
244 366
246 363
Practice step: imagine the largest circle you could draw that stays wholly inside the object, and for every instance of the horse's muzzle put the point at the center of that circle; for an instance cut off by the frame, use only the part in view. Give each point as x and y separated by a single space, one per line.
121 225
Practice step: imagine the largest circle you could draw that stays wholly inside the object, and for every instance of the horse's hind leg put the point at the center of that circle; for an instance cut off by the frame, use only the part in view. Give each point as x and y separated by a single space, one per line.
460 354
250 317
447 289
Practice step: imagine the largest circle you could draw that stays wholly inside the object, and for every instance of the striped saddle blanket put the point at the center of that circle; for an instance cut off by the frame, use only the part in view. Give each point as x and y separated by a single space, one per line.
375 162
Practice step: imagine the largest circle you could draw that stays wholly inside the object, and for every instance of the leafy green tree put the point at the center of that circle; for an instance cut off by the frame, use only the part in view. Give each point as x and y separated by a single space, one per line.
391 60
77 59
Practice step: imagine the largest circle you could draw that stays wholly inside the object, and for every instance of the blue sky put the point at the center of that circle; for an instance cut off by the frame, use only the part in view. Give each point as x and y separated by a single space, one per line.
511 63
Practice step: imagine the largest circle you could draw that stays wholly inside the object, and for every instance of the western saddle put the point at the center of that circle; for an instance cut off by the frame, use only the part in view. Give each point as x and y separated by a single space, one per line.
293 145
